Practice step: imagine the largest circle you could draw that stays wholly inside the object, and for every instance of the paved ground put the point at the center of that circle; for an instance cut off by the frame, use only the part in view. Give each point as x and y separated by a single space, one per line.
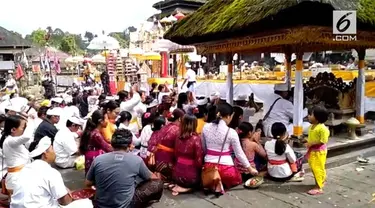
346 187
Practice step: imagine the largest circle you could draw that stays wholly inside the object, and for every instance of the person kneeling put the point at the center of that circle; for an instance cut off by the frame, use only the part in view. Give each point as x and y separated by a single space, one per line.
65 144
283 164
116 174
40 185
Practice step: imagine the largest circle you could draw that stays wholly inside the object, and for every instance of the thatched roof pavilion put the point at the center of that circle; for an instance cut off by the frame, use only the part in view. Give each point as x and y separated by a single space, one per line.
289 26
10 40
269 25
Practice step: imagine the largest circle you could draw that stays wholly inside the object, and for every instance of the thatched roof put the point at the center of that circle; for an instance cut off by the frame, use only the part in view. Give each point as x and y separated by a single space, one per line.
36 52
9 39
226 19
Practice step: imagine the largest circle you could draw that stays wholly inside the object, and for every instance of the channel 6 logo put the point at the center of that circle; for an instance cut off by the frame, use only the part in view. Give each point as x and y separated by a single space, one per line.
344 25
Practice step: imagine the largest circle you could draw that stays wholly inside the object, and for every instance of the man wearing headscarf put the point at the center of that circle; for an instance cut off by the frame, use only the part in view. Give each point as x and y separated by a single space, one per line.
47 127
279 109
40 185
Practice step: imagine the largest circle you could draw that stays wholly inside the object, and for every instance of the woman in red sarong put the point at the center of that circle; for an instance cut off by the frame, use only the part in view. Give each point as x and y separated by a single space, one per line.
158 123
93 143
162 145
217 140
189 155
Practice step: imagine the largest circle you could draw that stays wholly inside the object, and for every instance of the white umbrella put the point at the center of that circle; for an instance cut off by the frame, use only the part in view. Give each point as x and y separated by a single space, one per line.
98 58
163 45
78 59
69 60
104 42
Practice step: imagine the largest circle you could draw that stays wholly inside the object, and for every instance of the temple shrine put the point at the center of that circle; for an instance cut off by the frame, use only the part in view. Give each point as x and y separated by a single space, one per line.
172 7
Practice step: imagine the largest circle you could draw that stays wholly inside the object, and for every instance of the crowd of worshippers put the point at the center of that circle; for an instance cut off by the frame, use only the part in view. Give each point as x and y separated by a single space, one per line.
142 142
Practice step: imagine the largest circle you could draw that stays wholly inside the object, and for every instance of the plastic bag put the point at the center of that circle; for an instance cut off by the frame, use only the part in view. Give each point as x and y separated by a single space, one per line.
80 163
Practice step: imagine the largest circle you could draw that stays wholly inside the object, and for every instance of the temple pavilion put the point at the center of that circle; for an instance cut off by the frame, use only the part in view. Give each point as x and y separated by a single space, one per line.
286 26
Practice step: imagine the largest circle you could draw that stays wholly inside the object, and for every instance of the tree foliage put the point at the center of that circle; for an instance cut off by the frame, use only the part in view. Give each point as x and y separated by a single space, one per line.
38 37
68 44
73 44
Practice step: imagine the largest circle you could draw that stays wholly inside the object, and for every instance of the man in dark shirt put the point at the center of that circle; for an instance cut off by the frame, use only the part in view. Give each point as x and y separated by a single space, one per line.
47 127
121 178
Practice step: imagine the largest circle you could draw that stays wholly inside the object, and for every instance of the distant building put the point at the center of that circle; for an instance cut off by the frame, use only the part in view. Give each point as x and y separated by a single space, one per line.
11 46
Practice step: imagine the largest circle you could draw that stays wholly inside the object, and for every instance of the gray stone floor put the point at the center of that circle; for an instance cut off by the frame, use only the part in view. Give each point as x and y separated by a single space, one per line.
346 187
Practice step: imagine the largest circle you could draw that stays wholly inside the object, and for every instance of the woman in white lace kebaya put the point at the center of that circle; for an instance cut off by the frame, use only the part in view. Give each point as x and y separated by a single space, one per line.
213 136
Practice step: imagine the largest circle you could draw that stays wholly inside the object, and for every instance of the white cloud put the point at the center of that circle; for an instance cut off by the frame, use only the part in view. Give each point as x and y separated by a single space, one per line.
76 16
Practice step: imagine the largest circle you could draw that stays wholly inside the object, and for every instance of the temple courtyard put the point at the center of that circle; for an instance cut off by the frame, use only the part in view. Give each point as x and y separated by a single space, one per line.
349 185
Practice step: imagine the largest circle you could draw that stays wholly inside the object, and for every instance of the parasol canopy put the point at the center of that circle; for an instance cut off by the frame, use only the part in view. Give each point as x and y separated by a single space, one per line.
104 42
69 60
179 15
162 45
98 58
172 18
87 59
153 56
77 59
165 20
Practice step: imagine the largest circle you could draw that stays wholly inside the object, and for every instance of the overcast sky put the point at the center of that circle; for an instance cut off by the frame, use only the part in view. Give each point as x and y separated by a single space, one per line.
76 16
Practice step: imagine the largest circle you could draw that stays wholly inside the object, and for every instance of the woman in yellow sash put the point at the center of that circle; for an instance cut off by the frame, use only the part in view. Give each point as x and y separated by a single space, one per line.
111 110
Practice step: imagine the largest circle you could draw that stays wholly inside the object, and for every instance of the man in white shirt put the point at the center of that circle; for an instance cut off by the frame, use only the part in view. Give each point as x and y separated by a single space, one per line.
282 111
40 185
191 79
129 105
65 144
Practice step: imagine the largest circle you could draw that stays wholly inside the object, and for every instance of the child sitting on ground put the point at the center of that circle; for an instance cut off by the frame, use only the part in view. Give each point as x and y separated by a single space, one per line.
283 164
254 151
317 147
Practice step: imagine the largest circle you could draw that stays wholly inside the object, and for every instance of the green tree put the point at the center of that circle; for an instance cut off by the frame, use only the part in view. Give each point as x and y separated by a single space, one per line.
68 44
38 37
56 37
89 36
119 36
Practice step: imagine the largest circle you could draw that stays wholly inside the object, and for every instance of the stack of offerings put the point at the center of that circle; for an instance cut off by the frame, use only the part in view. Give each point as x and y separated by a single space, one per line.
111 61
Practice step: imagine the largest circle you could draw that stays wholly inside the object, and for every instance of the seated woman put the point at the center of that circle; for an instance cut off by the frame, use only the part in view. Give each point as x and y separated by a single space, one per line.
92 142
161 146
189 155
40 185
123 123
237 117
158 124
201 114
254 151
217 138
111 111
121 178
283 164
146 132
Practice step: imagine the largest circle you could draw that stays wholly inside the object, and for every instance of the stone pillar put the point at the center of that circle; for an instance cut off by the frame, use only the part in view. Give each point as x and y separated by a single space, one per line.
229 57
164 64
288 67
360 88
298 97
